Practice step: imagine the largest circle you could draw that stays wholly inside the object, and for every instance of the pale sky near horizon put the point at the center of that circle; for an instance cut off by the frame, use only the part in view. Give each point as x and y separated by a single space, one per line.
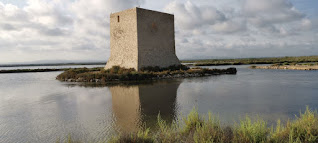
39 30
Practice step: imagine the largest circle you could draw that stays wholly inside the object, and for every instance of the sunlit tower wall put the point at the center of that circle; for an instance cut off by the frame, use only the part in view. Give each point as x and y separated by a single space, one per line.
142 38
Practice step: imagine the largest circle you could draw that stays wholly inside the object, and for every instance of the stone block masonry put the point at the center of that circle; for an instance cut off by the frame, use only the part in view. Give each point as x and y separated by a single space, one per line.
142 38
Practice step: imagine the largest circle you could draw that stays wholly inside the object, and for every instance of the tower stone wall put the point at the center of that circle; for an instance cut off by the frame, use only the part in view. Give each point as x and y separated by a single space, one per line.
123 40
142 38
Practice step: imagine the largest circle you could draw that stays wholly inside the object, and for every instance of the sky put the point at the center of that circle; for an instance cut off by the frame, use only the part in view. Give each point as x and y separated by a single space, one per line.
78 30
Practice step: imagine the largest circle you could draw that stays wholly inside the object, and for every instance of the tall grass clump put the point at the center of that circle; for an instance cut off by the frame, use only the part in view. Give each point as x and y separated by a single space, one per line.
167 132
249 131
303 129
210 130
198 129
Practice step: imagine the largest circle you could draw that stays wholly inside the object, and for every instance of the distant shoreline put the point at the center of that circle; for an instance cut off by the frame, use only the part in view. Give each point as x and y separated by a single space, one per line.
54 64
287 67
203 62
251 61
38 70
208 62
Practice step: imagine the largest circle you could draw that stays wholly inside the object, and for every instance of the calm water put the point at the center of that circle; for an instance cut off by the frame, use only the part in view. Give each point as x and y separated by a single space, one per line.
50 67
34 107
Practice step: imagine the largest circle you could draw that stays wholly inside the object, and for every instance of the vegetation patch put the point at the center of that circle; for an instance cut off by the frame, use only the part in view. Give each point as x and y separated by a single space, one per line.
150 73
208 129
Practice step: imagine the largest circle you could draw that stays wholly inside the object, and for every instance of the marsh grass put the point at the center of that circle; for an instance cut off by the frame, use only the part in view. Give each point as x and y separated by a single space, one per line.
197 129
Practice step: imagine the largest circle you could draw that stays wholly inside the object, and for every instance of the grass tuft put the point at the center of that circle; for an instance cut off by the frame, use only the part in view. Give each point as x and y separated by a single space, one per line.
249 131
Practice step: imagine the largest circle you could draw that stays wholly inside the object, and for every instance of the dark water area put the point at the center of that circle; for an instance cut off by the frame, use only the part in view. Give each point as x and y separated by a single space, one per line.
34 107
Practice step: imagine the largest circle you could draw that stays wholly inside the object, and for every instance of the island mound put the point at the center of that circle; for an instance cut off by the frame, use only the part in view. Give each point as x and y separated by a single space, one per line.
116 73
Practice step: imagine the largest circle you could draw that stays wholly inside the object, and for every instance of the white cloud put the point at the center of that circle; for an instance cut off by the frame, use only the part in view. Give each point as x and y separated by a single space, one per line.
229 26
267 13
306 24
79 29
190 16
57 29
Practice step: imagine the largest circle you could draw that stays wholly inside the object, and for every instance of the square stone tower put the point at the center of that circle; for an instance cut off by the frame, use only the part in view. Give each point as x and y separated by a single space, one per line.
142 38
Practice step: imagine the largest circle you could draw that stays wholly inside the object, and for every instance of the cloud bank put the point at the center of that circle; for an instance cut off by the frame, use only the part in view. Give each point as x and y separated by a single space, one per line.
79 29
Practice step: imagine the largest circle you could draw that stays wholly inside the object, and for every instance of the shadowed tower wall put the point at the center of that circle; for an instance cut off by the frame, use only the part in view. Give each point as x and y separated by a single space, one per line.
142 38
156 43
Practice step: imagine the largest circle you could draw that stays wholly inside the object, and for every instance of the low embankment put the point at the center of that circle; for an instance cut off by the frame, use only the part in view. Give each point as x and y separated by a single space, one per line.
287 67
151 73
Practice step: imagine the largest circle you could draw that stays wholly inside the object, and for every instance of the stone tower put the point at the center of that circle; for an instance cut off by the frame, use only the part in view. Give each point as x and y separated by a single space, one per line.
141 38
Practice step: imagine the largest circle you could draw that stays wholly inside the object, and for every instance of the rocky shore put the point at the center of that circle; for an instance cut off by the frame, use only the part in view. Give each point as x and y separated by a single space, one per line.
131 75
287 67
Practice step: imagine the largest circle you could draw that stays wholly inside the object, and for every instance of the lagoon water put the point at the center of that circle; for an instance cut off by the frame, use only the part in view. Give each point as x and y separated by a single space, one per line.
34 107
50 67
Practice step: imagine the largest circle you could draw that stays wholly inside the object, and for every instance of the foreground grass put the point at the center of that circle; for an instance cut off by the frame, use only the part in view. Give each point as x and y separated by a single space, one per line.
197 129
246 61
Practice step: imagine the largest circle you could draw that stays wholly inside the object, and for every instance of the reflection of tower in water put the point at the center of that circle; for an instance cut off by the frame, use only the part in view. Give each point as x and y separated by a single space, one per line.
136 105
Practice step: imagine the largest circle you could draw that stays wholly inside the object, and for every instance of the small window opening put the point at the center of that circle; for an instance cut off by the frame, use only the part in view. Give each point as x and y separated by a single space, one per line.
118 18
